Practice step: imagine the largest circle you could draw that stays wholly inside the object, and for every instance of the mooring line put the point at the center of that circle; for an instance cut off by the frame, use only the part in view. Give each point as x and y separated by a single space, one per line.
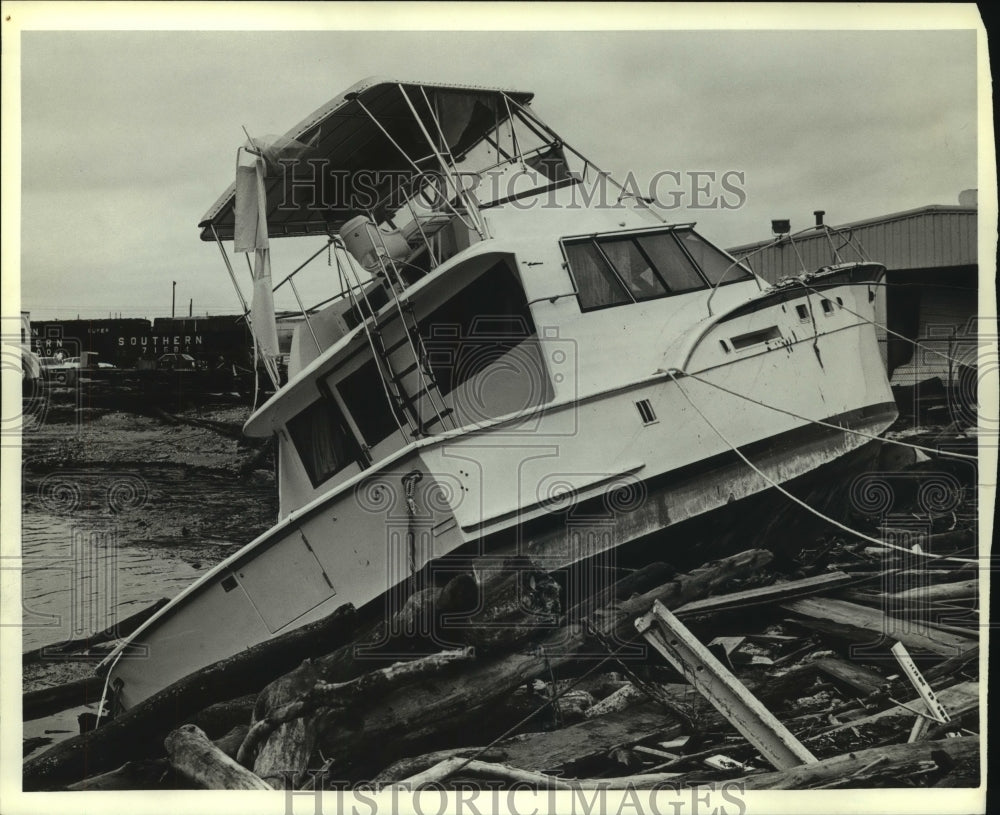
831 425
802 503
888 330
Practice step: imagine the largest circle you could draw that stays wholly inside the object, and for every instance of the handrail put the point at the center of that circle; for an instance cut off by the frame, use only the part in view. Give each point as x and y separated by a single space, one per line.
302 265
553 298
338 243
418 358
530 114
718 282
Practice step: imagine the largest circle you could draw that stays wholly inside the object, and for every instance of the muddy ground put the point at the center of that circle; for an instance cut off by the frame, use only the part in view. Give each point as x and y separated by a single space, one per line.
179 492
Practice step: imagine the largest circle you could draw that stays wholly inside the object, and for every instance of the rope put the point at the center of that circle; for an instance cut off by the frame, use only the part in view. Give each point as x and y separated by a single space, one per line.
409 485
256 375
887 329
802 503
104 693
834 426
812 316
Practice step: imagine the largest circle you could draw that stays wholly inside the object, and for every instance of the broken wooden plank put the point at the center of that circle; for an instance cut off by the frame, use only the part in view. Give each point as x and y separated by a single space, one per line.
952 665
959 699
959 590
591 737
637 582
448 767
890 629
864 680
898 760
726 693
619 700
774 593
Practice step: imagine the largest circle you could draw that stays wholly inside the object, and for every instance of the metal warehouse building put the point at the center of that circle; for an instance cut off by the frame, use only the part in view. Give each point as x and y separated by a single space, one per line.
930 255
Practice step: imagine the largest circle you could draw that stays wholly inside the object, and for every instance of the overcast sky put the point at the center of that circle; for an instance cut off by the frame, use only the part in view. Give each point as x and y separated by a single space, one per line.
128 137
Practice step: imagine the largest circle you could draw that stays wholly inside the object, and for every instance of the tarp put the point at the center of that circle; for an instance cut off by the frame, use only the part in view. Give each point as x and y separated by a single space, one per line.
250 235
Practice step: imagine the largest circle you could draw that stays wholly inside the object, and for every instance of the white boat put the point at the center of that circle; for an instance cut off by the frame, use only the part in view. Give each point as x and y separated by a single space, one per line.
496 364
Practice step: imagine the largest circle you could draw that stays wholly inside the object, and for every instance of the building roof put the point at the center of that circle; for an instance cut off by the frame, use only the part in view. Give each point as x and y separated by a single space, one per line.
935 236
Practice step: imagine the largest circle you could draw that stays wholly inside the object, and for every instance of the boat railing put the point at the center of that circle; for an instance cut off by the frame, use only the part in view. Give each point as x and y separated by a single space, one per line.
788 238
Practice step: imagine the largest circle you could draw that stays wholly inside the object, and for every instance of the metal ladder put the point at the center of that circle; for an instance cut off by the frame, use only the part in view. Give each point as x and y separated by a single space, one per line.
421 362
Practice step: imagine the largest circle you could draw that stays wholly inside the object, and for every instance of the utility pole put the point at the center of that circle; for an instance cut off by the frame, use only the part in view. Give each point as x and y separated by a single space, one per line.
173 301
191 307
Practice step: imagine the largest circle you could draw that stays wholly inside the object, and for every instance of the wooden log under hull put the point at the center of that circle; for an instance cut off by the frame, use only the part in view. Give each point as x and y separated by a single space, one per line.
135 733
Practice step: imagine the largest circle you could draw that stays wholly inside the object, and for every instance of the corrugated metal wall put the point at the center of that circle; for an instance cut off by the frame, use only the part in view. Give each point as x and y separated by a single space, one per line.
911 244
946 338
927 238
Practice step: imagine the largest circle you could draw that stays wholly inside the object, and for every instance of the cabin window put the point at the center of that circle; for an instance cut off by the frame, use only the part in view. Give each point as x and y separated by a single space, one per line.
671 261
633 268
365 398
714 264
323 441
615 270
596 284
483 352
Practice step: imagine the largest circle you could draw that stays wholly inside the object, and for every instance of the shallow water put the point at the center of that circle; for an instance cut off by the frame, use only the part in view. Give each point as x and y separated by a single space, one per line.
99 544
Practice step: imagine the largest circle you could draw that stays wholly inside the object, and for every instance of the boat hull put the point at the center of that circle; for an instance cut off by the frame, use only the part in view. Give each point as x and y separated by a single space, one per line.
564 485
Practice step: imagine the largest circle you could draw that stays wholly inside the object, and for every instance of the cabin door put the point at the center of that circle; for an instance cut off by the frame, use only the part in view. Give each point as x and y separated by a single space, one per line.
285 581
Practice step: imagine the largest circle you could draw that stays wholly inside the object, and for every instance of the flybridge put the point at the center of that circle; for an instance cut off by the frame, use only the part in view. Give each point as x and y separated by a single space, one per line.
374 144
396 177
398 150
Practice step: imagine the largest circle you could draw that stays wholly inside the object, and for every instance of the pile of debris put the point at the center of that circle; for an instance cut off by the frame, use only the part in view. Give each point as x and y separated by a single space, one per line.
849 665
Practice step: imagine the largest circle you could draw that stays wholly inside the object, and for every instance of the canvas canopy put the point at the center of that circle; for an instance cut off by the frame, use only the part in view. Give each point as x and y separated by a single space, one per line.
339 162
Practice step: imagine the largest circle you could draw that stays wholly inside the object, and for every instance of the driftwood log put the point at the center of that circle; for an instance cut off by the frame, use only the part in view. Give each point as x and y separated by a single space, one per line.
439 772
137 733
404 720
132 775
222 717
638 582
196 758
280 741
862 768
292 742
406 767
154 773
519 598
42 702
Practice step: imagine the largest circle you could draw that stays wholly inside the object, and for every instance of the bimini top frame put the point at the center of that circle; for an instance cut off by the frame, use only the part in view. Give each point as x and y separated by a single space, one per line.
362 152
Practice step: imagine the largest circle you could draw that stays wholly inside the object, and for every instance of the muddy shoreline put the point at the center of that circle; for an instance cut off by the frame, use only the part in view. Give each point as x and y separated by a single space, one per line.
175 492
63 437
